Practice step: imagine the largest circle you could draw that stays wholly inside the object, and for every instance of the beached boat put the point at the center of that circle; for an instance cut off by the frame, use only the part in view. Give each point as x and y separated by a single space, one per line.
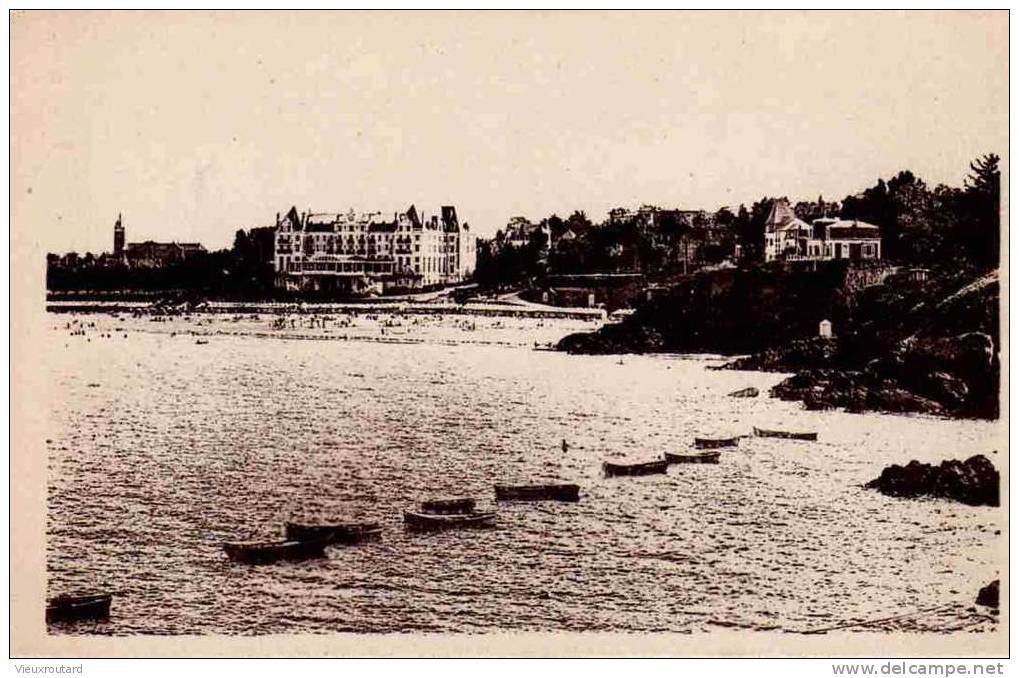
338 533
715 443
261 552
75 608
561 492
789 435
444 506
749 392
443 521
704 457
640 469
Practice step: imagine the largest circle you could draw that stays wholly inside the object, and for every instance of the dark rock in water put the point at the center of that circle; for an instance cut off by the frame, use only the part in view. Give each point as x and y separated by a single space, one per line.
912 480
856 392
613 339
988 595
749 392
975 481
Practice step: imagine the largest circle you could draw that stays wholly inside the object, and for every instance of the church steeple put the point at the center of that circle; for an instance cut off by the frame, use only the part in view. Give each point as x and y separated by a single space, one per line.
118 236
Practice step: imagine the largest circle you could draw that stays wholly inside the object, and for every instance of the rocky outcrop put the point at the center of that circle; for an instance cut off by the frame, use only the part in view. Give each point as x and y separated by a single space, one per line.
988 595
614 339
954 376
906 352
900 346
792 357
729 311
975 481
853 390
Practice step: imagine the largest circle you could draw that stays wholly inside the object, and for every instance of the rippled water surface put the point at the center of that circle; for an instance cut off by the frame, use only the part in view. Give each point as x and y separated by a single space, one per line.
162 448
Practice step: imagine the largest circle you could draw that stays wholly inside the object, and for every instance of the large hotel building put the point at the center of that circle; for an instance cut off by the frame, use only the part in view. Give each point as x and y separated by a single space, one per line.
370 253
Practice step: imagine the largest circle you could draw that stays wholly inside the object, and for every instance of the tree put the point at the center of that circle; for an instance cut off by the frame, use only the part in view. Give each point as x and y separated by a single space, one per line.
578 222
809 211
556 226
750 227
724 217
980 225
891 206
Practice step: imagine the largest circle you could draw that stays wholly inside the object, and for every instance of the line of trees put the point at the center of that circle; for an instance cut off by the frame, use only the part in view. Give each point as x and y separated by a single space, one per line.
649 240
244 271
938 227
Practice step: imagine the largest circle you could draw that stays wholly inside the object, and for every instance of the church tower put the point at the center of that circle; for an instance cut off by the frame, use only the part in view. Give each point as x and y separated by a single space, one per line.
118 237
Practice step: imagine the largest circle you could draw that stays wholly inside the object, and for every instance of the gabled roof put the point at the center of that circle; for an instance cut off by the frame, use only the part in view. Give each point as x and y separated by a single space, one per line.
292 218
782 218
412 214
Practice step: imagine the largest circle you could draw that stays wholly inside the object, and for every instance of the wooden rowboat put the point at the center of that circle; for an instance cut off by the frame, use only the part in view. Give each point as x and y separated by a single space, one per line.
75 608
338 533
439 521
706 457
715 443
765 433
445 506
641 469
262 552
564 492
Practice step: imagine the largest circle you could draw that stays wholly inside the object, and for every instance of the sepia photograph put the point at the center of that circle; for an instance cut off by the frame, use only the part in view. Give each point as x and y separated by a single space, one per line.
509 333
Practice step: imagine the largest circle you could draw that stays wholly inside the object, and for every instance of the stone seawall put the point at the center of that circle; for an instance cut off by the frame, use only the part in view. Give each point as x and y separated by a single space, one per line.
860 276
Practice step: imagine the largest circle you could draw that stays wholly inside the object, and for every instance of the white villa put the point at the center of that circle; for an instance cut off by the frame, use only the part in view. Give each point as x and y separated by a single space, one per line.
789 238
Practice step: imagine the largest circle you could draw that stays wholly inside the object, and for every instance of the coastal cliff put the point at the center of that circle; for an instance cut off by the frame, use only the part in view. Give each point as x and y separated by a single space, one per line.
900 345
728 311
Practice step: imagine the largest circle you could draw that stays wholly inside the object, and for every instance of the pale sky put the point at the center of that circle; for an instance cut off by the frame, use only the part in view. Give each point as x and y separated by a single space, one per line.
196 124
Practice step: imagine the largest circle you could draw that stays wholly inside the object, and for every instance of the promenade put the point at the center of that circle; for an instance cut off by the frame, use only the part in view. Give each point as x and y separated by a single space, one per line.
508 308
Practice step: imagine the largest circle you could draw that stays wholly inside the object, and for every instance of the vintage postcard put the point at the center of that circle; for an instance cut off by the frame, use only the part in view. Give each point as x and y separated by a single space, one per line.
509 333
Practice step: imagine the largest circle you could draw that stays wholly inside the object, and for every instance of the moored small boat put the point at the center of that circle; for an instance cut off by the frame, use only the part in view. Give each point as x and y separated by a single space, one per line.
715 443
639 469
337 533
262 552
442 521
749 392
67 608
444 506
703 457
789 435
555 492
